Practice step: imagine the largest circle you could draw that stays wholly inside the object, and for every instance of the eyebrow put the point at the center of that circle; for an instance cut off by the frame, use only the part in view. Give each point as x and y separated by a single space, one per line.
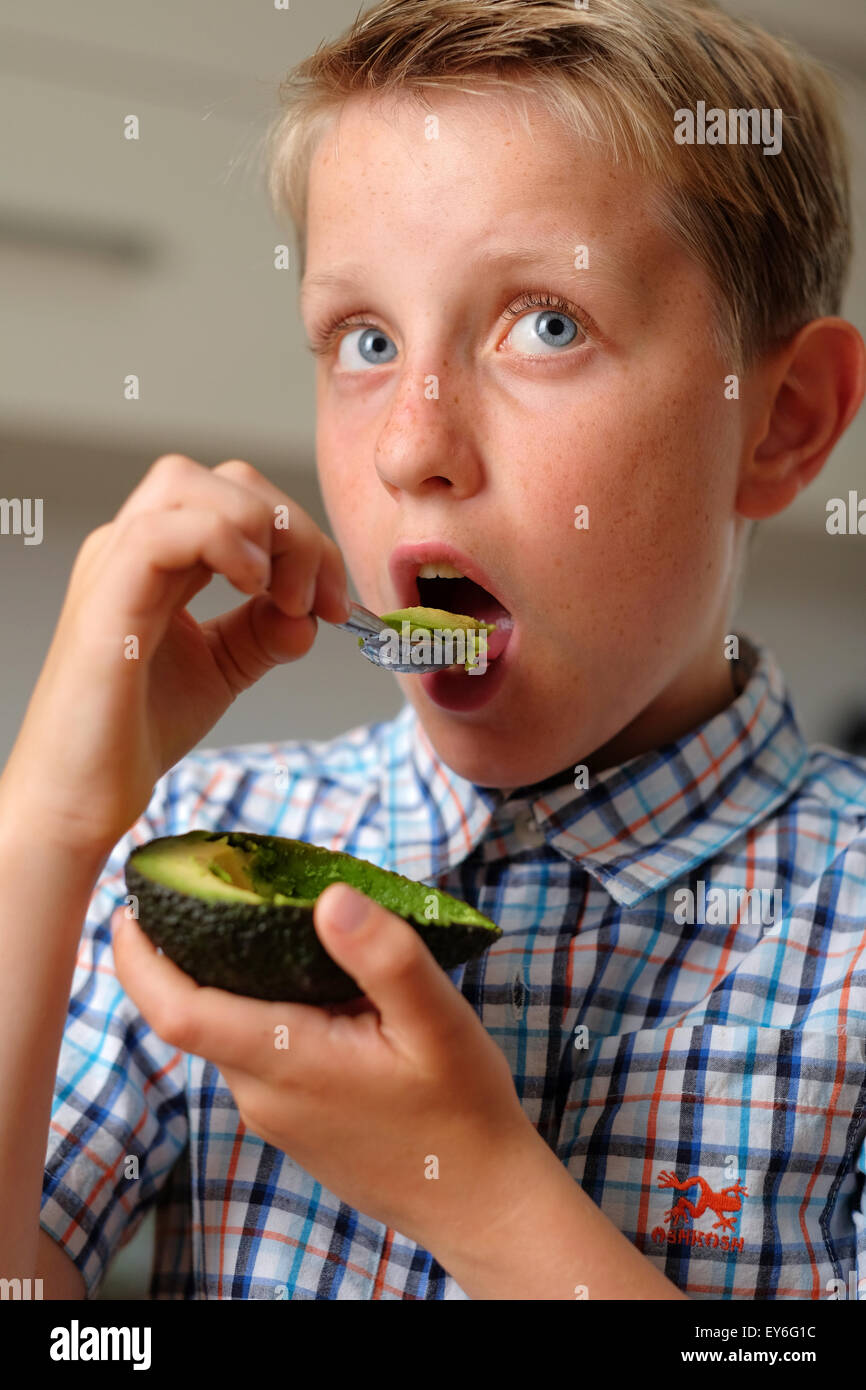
350 276
344 277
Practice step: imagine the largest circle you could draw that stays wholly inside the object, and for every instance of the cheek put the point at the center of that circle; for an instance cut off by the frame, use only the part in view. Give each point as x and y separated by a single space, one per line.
346 495
675 494
339 475
658 481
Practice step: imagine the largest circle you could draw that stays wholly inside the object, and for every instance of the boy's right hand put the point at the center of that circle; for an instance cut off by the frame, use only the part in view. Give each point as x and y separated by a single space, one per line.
104 722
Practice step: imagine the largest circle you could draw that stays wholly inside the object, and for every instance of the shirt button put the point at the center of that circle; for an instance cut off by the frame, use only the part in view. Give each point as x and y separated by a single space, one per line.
516 1001
527 831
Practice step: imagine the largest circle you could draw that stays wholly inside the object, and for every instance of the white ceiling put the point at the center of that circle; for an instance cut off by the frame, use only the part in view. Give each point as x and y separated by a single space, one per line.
156 257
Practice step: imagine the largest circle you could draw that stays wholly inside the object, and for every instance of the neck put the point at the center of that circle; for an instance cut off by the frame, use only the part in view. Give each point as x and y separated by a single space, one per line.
702 690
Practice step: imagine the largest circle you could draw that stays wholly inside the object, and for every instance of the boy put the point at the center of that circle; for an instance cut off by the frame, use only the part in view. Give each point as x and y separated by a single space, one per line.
564 359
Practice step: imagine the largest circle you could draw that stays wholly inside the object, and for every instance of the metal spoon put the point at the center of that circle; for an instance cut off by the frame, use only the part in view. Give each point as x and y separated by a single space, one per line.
366 626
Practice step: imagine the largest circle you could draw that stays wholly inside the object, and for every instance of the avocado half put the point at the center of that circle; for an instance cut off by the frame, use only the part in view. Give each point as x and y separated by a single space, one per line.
235 910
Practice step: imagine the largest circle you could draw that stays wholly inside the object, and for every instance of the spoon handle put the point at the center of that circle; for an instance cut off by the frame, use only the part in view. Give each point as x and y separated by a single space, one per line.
366 626
362 622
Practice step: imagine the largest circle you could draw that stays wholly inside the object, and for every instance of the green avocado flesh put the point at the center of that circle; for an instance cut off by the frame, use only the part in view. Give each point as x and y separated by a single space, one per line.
235 911
436 619
431 618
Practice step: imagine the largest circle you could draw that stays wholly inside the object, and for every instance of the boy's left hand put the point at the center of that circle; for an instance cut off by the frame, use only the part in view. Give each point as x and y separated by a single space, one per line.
401 1104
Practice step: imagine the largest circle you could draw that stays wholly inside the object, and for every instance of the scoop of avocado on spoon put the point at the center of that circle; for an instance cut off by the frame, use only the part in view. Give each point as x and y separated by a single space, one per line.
368 627
433 619
437 620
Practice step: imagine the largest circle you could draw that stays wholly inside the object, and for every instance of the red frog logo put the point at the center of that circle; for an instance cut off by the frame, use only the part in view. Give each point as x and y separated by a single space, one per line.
726 1200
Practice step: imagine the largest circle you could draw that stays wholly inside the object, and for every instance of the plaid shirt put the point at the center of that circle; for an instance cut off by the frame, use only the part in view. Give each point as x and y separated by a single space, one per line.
699 1069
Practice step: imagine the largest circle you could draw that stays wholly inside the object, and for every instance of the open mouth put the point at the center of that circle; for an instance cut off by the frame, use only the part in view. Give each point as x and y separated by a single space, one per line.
435 574
458 594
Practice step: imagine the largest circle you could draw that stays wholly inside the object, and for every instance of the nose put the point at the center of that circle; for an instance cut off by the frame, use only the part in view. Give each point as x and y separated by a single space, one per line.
424 445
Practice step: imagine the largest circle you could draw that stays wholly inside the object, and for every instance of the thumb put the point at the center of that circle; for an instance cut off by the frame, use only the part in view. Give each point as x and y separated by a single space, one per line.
251 639
390 962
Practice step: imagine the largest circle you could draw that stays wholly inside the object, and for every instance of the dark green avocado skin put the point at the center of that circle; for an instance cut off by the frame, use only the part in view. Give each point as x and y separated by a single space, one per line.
271 951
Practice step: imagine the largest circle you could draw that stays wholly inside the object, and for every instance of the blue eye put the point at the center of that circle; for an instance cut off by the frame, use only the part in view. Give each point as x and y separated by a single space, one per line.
372 345
550 329
551 325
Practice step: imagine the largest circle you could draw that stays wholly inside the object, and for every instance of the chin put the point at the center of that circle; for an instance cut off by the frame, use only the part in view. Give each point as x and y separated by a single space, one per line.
476 753
465 750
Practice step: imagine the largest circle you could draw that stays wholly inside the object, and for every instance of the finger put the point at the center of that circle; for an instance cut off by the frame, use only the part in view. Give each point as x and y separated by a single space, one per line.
307 573
151 558
227 1029
419 1006
311 554
199 578
253 638
175 482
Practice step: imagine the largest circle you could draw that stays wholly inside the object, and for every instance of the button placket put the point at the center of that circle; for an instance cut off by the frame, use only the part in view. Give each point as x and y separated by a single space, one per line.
527 831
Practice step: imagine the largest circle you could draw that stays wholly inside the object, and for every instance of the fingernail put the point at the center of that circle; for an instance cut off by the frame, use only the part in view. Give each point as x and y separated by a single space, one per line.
260 562
310 595
349 910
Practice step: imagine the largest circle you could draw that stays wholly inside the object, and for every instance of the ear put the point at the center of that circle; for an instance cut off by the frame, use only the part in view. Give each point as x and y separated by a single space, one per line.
806 395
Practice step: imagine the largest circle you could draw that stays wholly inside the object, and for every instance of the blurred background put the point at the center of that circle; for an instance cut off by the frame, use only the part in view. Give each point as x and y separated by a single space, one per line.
155 257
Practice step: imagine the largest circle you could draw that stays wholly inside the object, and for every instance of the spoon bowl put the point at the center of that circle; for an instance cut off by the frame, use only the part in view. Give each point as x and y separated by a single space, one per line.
367 627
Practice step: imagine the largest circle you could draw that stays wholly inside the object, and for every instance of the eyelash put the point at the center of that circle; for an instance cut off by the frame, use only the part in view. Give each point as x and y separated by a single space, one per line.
323 340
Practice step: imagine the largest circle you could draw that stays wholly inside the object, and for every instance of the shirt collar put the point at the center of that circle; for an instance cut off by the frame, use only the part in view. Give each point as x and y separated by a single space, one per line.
434 817
638 826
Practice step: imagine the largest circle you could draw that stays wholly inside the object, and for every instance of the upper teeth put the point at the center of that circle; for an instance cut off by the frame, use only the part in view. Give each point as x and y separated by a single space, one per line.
440 570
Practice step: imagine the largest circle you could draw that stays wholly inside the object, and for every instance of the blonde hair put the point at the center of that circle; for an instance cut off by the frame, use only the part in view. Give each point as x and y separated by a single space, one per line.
771 230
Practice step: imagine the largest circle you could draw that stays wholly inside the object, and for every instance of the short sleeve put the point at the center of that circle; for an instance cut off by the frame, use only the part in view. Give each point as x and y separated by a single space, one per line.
119 1115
